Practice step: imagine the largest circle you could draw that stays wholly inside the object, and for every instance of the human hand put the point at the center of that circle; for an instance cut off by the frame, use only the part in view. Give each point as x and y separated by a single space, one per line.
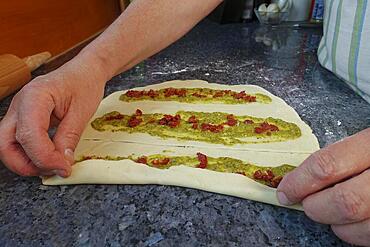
333 185
66 98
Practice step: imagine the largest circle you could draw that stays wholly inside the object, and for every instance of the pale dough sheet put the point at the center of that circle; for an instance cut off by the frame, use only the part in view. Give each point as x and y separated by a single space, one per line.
129 172
93 142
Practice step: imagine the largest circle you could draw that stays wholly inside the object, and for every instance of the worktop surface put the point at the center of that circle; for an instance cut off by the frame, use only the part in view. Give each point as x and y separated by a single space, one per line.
282 61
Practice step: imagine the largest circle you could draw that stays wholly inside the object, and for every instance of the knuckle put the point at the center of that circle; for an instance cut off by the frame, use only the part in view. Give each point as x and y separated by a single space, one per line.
72 135
349 203
323 166
23 136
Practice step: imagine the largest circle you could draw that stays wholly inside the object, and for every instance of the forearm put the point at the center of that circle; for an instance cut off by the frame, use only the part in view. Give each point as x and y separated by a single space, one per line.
145 28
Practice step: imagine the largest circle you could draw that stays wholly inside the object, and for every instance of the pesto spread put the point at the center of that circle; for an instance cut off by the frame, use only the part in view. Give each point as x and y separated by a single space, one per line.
270 176
216 127
195 95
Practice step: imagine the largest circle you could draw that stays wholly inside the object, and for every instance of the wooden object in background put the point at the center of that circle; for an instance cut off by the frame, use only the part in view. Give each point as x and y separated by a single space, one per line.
15 72
32 26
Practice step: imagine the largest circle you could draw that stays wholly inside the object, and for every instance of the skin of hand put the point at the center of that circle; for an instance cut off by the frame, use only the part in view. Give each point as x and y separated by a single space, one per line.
68 96
61 98
333 186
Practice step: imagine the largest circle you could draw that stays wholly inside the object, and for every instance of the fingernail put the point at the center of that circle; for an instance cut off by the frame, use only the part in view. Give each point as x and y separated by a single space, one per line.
60 173
69 154
283 199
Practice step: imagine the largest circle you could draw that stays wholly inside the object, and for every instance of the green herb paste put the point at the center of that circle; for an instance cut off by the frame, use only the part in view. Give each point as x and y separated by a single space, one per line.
221 164
240 133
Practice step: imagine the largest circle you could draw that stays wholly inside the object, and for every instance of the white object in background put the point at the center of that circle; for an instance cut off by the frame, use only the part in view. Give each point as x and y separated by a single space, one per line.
284 5
273 8
300 10
262 9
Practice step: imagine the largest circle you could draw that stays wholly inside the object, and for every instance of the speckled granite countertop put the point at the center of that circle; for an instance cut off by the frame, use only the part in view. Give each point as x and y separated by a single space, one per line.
283 62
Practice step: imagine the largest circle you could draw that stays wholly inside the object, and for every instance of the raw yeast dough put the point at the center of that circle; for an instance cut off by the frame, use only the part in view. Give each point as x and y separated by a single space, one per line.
123 144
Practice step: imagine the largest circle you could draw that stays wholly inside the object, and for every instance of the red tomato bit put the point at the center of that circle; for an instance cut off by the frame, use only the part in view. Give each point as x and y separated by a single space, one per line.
192 119
138 112
151 93
171 121
218 94
231 121
198 95
203 160
134 94
168 92
212 127
134 121
266 127
161 162
248 121
142 160
268 177
119 116
243 96
276 181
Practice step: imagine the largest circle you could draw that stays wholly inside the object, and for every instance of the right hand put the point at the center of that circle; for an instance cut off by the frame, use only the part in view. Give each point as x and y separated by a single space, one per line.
67 98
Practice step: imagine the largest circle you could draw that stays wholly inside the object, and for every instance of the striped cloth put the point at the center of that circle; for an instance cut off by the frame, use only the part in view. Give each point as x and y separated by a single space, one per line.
345 46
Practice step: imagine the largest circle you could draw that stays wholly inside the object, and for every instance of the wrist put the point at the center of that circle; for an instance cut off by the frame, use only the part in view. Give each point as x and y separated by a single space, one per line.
89 67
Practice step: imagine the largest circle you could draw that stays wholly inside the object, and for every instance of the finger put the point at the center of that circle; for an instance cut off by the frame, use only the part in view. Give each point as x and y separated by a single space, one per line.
344 203
69 132
54 121
356 233
31 133
11 153
326 167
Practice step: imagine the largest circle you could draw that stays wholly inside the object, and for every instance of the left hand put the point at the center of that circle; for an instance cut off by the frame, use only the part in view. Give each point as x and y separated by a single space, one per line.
333 185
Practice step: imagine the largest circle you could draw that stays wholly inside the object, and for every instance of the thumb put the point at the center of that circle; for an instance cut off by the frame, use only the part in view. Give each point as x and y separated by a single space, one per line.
68 135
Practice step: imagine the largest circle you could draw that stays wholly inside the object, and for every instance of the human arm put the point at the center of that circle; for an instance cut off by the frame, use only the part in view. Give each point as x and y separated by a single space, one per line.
68 96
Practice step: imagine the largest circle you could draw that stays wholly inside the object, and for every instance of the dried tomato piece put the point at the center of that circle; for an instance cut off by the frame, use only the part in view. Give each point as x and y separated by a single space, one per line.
114 117
195 126
276 181
152 94
248 121
198 95
181 93
266 127
203 160
250 98
239 95
258 174
142 160
138 112
258 130
231 121
171 121
168 92
243 96
134 121
218 94
268 177
211 127
134 94
192 119
161 162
